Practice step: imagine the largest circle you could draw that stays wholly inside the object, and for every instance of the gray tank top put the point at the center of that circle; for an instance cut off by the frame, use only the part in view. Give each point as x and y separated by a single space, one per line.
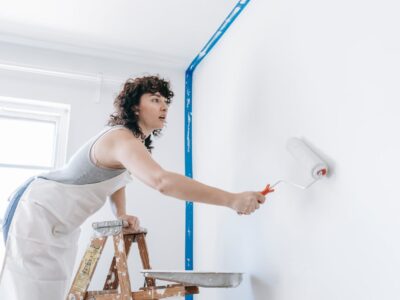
80 168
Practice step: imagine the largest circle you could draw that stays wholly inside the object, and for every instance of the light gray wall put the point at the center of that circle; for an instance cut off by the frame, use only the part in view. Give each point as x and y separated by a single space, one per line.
327 72
164 218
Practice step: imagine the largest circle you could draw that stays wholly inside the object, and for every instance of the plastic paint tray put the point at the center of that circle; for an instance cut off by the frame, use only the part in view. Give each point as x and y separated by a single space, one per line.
201 279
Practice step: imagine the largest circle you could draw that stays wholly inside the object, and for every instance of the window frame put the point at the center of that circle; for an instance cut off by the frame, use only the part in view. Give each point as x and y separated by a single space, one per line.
41 111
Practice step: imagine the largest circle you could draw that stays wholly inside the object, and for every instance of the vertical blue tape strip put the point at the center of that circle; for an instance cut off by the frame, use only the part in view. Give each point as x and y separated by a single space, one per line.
188 125
188 170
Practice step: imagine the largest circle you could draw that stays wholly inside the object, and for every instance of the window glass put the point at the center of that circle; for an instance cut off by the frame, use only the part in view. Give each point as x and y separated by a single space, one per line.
27 142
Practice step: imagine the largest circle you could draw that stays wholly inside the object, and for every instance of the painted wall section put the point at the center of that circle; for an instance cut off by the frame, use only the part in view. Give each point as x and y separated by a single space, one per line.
326 72
88 116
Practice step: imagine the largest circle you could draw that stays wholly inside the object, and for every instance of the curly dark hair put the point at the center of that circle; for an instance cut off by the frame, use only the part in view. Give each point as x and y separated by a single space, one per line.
129 97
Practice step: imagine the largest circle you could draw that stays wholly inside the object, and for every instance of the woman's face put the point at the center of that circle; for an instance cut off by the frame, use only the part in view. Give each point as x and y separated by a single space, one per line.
152 112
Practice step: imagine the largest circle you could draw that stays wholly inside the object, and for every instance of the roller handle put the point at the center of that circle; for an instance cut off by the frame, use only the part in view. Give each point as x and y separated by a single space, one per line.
267 190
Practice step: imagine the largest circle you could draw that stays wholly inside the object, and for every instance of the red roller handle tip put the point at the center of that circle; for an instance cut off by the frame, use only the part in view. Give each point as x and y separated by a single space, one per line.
267 190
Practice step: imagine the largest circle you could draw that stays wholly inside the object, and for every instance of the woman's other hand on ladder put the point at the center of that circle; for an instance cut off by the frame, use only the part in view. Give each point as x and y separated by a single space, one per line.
133 221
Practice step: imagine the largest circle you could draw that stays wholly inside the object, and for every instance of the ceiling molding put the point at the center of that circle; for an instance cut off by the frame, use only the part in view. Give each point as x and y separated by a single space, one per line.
129 55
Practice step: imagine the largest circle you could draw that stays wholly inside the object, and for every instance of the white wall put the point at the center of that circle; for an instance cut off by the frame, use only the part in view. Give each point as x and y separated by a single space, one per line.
327 72
164 218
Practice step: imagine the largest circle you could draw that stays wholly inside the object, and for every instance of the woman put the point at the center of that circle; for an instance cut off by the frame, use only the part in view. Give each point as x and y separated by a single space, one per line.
41 236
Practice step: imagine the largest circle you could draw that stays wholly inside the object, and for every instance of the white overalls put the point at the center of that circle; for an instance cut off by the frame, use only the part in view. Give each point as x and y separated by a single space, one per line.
42 241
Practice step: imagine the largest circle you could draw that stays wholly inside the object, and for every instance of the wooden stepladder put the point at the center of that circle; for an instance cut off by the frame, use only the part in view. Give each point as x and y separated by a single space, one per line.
117 285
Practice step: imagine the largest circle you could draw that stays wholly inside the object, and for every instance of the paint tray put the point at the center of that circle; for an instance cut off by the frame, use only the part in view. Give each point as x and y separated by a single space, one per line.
201 279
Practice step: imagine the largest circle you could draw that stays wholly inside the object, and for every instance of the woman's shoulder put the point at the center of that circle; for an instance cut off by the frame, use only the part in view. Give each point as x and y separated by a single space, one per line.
120 131
121 134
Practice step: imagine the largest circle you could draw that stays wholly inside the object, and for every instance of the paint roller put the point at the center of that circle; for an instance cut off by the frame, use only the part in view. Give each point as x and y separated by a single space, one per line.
316 167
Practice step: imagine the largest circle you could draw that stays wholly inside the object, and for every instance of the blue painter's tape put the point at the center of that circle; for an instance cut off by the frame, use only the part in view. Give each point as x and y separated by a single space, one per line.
188 125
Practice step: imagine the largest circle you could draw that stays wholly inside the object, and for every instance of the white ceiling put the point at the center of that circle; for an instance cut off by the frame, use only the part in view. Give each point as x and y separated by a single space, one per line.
171 30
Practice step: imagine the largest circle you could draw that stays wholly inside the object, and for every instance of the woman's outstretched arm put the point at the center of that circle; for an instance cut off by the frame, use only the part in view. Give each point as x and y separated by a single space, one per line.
133 155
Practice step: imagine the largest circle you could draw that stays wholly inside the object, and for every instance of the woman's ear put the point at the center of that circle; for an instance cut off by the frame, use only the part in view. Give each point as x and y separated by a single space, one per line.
135 110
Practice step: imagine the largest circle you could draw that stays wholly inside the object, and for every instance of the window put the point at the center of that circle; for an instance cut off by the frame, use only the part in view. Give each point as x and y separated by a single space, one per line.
33 139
